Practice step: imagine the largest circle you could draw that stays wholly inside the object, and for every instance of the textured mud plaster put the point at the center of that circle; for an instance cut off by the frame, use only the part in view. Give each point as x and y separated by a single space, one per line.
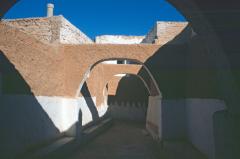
163 32
109 71
44 29
57 70
90 54
113 84
69 34
103 73
37 62
55 29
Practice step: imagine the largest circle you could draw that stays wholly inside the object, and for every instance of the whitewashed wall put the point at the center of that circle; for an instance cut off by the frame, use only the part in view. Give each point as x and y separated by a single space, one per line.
64 111
199 115
154 117
131 111
174 119
118 39
27 120
192 119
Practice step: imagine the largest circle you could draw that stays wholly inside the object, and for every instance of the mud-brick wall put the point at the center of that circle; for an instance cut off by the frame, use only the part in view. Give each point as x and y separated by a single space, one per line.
69 34
51 29
163 32
44 29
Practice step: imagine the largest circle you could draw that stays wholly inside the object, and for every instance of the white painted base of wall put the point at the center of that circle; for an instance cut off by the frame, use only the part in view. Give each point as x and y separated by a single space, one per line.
119 39
192 119
64 112
154 117
27 120
131 112
199 117
174 119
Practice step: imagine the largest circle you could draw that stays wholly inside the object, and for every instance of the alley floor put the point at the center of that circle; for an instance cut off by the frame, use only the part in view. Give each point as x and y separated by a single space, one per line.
130 141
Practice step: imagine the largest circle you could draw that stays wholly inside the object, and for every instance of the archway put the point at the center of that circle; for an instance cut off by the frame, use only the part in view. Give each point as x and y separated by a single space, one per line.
127 97
153 123
199 15
88 71
206 23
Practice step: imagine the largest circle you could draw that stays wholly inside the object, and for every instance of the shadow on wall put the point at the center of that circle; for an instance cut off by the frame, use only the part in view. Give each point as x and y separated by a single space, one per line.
182 68
130 101
185 71
24 123
76 129
130 89
90 103
87 114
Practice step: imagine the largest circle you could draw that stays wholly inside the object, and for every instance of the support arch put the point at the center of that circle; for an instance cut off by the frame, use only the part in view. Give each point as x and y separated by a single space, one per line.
207 18
138 76
206 23
153 123
90 68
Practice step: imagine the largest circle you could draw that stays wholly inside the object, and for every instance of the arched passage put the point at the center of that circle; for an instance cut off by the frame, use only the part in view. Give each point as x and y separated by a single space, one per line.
204 18
131 74
207 18
153 122
121 69
127 97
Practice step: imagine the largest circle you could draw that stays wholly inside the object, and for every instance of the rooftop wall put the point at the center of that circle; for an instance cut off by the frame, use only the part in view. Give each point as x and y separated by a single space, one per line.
60 64
119 39
53 29
163 32
44 29
69 34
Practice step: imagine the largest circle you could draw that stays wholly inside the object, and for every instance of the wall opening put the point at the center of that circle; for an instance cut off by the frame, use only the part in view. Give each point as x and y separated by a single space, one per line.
129 99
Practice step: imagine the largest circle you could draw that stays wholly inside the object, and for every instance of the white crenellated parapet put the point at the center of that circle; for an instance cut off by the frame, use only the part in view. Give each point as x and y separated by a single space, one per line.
128 110
154 117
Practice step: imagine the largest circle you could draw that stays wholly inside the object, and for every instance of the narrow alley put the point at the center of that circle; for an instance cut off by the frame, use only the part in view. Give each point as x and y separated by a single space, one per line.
129 140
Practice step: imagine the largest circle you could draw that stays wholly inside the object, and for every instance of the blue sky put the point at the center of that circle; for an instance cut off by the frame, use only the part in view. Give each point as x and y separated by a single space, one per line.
100 17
